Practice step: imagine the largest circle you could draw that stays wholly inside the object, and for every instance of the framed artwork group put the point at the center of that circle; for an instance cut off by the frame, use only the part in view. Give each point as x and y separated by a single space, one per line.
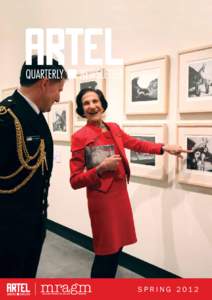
195 96
146 92
147 83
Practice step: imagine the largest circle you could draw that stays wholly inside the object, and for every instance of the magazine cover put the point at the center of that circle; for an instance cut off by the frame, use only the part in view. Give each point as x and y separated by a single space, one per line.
96 154
122 88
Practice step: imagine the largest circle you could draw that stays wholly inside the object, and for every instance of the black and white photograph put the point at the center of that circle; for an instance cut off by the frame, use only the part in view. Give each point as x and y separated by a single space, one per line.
90 79
59 121
201 157
195 80
89 84
200 79
94 155
196 167
145 85
143 158
147 165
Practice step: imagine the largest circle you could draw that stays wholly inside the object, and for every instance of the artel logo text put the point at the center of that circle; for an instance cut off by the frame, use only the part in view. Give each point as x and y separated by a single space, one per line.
18 289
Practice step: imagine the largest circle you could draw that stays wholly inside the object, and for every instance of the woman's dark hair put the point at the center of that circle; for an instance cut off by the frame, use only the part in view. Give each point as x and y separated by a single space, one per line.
79 108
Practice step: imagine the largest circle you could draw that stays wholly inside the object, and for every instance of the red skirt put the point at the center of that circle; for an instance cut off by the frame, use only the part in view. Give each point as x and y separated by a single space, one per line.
111 218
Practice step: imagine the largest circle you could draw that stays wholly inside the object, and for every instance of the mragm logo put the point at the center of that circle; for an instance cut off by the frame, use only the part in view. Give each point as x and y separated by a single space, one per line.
65 289
18 289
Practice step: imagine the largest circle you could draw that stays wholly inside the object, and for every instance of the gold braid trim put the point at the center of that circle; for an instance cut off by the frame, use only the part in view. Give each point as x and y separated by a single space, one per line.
23 155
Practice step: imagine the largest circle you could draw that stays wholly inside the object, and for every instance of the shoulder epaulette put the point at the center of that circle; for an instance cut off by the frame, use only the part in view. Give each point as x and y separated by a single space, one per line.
8 102
3 110
24 156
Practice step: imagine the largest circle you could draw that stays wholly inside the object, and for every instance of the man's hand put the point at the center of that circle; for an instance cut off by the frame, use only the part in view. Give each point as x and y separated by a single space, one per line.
176 150
108 164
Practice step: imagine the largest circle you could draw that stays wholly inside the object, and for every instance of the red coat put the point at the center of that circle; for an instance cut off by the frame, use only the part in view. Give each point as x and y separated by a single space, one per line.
108 201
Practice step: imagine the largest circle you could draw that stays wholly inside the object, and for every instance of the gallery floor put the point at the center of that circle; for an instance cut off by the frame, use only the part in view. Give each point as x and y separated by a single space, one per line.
63 259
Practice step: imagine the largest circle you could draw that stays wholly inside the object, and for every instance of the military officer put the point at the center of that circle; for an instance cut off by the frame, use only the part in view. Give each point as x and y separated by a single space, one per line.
26 155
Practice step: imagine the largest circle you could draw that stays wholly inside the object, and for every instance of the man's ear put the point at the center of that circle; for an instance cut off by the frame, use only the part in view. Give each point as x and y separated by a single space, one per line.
43 83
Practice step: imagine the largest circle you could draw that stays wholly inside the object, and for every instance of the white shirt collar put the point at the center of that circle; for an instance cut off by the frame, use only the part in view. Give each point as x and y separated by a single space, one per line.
32 104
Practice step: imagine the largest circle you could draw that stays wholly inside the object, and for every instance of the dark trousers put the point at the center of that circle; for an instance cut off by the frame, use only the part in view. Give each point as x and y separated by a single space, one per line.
105 266
20 250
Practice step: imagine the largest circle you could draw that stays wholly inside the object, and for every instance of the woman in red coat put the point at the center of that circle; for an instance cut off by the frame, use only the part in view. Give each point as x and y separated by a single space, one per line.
99 163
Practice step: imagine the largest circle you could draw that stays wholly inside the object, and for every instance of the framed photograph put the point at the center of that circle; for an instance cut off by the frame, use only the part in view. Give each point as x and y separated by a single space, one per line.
7 92
146 86
60 121
144 164
93 79
196 168
195 80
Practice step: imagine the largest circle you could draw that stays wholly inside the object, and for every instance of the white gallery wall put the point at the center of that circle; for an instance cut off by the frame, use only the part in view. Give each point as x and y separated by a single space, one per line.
173 221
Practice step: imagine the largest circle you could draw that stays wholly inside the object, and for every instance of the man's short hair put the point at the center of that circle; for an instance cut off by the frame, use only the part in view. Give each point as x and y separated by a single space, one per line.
30 74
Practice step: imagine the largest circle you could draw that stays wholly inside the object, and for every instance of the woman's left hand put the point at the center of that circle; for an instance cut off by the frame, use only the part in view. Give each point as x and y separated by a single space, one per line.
175 150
